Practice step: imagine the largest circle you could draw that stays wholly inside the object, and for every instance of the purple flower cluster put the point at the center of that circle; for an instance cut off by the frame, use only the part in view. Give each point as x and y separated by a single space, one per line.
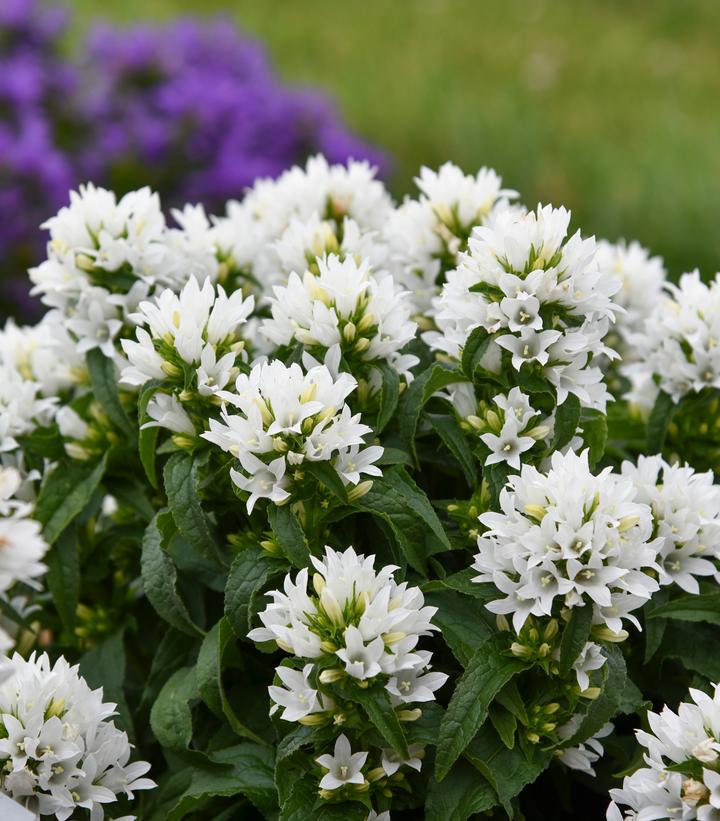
192 109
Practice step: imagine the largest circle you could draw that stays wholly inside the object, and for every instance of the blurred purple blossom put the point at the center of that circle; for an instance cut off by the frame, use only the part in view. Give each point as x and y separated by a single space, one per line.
193 109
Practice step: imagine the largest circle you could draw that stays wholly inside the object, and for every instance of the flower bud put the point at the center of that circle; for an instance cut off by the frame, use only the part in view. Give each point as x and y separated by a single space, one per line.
603 633
521 650
705 751
170 370
314 719
331 606
376 774
536 512
318 581
331 675
693 792
410 715
349 332
359 490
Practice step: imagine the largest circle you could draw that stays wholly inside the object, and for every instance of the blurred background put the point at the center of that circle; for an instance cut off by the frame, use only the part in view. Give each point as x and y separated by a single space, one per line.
608 108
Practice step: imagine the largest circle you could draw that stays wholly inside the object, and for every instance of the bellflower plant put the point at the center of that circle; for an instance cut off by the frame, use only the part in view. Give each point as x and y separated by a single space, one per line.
315 505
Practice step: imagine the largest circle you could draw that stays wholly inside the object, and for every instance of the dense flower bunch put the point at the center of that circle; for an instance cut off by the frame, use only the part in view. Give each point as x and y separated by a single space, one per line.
680 781
216 405
358 628
60 751
288 417
185 95
542 301
678 343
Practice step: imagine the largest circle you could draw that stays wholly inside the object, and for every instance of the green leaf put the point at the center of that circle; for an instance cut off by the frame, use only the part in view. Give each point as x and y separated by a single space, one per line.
496 476
104 381
65 493
486 674
448 429
459 796
660 417
104 666
247 769
326 475
147 437
287 748
509 771
289 535
399 502
389 394
505 723
453 616
208 674
376 703
594 433
473 351
417 395
170 716
567 418
691 607
159 575
182 485
249 573
45 442
574 637
63 577
689 643
300 800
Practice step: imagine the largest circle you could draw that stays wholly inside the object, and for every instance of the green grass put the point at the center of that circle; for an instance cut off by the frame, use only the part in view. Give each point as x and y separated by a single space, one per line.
608 107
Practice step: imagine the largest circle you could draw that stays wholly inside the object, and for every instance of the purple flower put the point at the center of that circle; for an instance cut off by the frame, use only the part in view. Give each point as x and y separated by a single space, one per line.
192 109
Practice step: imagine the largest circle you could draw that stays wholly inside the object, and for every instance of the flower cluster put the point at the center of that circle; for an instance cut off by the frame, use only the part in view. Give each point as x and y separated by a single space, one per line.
137 103
427 235
568 539
642 278
356 624
283 225
677 347
60 752
507 429
287 416
685 508
543 299
343 305
194 344
680 780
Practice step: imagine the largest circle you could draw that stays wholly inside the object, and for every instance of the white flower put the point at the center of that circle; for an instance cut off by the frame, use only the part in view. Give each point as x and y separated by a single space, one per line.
361 661
426 235
591 658
391 761
297 698
415 683
287 416
642 278
343 304
343 766
200 328
373 816
265 481
678 343
381 622
509 445
22 408
686 514
568 539
60 751
167 412
584 755
542 297
678 740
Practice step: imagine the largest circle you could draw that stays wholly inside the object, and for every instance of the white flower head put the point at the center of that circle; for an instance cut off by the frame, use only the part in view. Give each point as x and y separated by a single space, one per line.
343 766
568 538
343 304
677 347
375 620
60 751
686 515
541 296
285 416
426 235
669 786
